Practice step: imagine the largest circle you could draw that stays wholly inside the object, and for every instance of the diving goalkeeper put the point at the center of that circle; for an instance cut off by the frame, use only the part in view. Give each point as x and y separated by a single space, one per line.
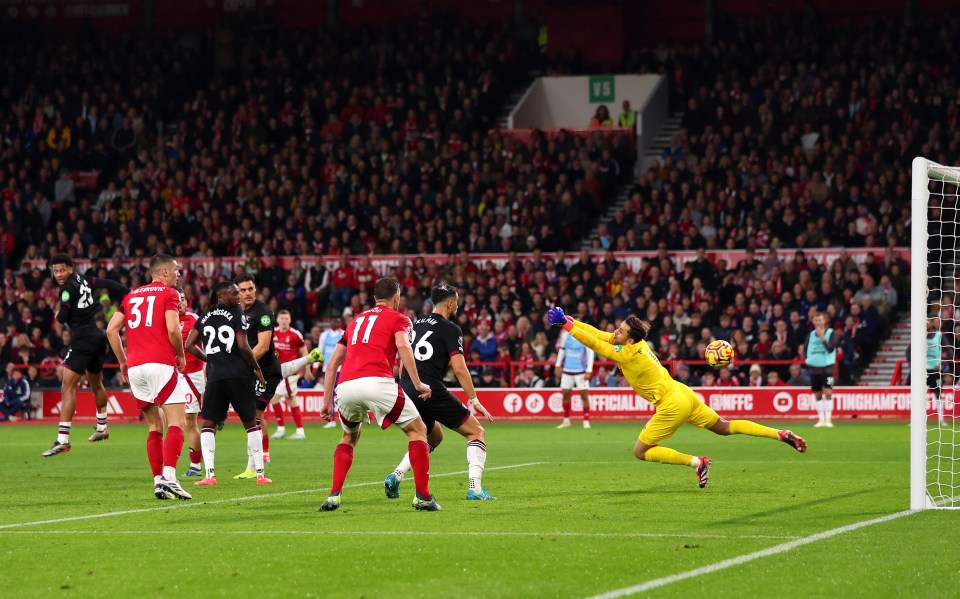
675 402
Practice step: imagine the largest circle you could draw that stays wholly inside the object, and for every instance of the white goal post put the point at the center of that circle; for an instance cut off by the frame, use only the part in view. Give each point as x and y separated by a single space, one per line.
934 438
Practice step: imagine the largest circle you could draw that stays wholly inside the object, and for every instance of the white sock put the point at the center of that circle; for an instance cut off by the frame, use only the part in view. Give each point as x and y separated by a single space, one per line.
694 462
938 402
63 432
818 403
281 430
169 473
101 421
293 366
827 409
208 444
403 467
476 460
156 479
255 448
299 430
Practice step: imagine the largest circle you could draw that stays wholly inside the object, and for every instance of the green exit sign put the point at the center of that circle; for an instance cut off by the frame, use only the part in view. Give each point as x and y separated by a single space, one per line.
601 88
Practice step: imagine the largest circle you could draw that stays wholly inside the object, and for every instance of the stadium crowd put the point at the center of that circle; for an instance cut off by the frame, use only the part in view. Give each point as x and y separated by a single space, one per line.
350 144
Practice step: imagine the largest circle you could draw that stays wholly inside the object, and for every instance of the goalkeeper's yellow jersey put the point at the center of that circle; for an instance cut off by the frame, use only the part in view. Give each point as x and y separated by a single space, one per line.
639 363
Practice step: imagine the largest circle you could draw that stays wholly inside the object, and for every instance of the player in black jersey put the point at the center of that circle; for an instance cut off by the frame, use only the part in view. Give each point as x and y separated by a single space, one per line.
258 322
79 309
437 344
231 368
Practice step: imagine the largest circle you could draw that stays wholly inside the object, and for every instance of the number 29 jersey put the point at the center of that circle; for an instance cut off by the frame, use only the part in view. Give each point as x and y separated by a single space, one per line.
371 343
435 340
144 310
219 328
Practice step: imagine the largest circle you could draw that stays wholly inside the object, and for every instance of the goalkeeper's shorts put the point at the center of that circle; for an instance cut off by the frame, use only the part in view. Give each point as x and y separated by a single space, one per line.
681 406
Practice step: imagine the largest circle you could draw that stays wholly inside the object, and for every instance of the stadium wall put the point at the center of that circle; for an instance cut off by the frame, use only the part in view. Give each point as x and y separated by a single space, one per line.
545 404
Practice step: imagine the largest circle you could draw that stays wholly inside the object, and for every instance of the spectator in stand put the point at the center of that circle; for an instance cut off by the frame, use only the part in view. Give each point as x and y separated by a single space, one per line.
16 396
627 118
774 380
528 379
798 378
755 379
488 380
344 284
685 376
601 118
728 378
485 344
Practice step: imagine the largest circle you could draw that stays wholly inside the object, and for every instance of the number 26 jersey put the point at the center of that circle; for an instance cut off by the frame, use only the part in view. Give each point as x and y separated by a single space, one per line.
435 340
219 328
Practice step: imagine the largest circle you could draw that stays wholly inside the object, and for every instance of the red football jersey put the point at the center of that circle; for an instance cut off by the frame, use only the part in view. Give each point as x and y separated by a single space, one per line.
187 321
371 346
145 311
288 344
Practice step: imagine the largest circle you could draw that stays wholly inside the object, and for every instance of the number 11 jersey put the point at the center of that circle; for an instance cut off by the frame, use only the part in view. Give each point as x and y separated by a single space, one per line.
144 310
371 343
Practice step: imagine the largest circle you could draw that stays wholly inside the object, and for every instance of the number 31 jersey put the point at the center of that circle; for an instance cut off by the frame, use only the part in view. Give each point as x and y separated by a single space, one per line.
144 310
218 330
435 341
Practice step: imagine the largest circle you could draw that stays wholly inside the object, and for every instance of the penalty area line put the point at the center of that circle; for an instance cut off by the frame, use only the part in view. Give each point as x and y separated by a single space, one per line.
748 557
184 504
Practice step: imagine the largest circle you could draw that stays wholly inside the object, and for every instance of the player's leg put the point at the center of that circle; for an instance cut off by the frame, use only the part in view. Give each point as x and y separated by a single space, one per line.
828 401
293 402
175 414
816 385
250 471
391 484
342 461
419 451
566 387
249 408
194 446
748 427
68 404
476 437
661 426
214 410
276 403
933 383
151 414
95 378
584 398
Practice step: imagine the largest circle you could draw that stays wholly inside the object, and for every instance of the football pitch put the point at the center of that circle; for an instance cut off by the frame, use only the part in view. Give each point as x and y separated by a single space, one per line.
576 516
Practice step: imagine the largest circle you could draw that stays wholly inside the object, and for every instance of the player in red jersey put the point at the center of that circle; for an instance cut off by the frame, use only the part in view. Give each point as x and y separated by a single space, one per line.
196 381
365 357
289 344
151 315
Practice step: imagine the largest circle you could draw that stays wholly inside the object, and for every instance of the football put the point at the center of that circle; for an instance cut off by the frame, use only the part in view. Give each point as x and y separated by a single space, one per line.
719 354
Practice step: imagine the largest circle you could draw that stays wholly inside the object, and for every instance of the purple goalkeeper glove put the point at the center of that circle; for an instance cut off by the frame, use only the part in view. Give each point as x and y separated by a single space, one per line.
555 316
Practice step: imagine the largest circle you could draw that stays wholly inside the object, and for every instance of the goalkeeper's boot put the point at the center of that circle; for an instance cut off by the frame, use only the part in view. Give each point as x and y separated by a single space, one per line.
481 495
173 488
703 471
330 503
56 448
793 440
425 505
99 436
316 355
192 471
391 486
246 474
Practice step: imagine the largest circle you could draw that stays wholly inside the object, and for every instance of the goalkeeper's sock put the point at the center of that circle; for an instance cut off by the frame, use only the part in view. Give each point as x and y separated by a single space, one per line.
476 460
665 455
746 427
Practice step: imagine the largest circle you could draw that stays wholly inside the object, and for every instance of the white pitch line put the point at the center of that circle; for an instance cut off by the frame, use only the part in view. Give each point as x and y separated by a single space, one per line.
183 504
475 533
748 557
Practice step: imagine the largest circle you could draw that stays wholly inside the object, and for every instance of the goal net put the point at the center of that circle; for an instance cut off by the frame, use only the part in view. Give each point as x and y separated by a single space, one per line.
935 233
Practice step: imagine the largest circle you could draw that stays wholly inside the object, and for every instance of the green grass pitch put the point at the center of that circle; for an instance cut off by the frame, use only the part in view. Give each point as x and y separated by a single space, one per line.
577 516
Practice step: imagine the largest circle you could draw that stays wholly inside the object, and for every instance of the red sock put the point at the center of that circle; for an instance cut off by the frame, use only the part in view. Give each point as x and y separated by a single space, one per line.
155 452
297 416
278 413
172 446
195 456
586 408
266 438
566 410
420 460
342 460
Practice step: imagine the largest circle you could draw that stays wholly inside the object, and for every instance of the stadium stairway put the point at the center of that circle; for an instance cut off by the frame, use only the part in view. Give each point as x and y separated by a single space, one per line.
894 348
669 128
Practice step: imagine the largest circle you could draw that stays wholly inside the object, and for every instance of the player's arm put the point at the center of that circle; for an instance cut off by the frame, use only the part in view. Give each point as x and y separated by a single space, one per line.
172 318
602 347
329 378
66 306
191 346
263 343
460 369
592 331
108 284
402 339
113 336
247 354
591 355
561 353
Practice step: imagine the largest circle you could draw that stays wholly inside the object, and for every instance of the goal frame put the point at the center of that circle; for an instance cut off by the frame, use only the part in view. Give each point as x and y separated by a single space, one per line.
923 171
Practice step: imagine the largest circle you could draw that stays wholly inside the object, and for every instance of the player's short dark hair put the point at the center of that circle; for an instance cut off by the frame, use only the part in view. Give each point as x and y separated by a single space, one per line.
217 290
284 311
638 328
159 260
244 278
62 259
386 288
442 293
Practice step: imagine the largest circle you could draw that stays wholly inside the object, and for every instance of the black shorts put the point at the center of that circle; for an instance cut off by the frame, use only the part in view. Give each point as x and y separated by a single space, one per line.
442 407
819 382
933 380
265 394
219 395
86 352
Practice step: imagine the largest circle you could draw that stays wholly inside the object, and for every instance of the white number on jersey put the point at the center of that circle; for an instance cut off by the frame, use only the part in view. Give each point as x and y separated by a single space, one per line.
423 350
86 296
366 332
138 317
225 335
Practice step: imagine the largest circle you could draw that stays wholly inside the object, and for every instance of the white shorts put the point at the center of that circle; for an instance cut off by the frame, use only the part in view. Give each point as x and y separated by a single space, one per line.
288 386
380 395
574 381
157 384
196 384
